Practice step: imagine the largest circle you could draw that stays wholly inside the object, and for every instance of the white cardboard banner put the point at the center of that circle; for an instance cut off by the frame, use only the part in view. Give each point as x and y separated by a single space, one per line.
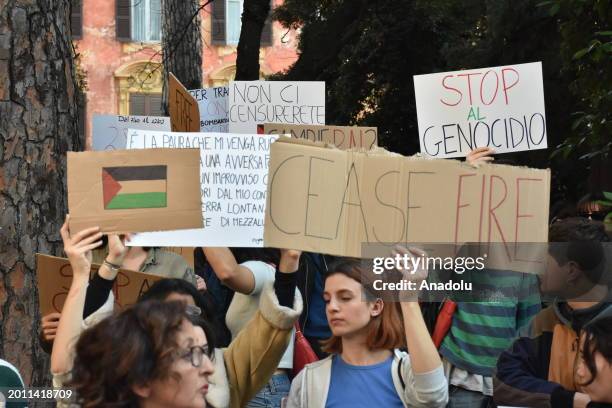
234 172
499 107
289 102
110 131
214 110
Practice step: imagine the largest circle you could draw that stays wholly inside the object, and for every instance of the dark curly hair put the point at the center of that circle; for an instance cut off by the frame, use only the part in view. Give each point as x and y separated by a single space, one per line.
131 348
597 339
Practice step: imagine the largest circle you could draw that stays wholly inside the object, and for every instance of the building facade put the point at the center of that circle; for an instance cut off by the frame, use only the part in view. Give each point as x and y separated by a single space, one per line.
119 52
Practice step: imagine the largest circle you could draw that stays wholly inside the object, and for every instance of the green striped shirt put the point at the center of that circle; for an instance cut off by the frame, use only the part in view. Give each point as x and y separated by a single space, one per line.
480 331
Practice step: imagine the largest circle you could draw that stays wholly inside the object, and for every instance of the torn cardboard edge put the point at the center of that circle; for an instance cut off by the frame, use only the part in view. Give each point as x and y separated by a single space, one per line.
340 199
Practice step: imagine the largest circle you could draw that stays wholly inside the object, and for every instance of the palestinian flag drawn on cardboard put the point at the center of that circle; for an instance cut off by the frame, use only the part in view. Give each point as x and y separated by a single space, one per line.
143 190
130 187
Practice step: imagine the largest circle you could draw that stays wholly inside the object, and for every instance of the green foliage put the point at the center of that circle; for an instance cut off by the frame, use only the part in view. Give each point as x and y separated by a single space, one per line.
586 48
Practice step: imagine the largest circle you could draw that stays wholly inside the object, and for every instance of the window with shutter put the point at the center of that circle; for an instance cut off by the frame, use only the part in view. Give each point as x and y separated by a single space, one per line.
76 19
218 22
145 104
155 105
137 104
122 20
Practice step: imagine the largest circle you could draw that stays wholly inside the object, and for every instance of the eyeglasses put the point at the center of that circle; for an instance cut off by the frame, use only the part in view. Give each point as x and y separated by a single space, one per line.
196 355
193 311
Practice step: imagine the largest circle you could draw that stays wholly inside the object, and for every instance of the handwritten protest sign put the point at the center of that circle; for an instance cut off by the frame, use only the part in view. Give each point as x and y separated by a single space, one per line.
294 103
214 110
234 172
331 201
134 191
110 131
343 137
55 275
183 108
499 107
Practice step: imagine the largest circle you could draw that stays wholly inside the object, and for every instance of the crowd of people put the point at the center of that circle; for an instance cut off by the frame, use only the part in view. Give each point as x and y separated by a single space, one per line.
226 333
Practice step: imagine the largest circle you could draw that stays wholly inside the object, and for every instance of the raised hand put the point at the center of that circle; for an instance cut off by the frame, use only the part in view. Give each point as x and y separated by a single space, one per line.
117 249
479 156
49 325
414 263
78 247
290 260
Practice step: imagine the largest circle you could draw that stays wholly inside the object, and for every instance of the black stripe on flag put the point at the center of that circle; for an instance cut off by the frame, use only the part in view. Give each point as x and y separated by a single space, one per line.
126 173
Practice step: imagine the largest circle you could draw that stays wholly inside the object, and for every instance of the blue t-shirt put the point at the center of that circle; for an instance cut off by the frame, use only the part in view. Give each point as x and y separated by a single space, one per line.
362 386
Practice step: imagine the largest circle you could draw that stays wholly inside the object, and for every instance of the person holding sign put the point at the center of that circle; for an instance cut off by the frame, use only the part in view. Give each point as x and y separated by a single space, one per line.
116 255
259 345
248 280
366 367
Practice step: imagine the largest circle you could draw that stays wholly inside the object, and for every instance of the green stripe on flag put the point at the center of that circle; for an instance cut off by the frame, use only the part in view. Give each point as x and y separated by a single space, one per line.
137 200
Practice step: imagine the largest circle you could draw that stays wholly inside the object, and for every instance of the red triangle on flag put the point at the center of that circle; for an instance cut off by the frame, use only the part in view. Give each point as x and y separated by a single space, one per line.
110 187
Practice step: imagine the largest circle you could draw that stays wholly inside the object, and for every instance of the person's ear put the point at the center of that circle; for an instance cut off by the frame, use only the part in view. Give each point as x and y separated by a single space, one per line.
142 390
574 272
377 307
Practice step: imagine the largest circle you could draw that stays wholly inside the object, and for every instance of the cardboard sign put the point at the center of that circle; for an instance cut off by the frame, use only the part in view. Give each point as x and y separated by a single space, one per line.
331 201
288 102
183 108
110 131
234 172
343 137
55 276
214 110
499 107
134 191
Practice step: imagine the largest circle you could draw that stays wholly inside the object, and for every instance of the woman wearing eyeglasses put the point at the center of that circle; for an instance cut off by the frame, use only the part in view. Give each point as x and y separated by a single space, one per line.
150 355
242 369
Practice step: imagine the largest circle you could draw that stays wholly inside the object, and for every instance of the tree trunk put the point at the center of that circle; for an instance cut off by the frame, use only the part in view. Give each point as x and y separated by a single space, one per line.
254 16
38 125
182 44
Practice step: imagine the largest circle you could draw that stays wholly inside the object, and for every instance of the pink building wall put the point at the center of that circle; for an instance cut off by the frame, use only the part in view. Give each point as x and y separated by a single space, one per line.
109 63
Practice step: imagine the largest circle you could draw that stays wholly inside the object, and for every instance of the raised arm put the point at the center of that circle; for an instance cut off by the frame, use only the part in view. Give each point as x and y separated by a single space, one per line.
426 385
423 353
78 250
233 275
102 283
253 356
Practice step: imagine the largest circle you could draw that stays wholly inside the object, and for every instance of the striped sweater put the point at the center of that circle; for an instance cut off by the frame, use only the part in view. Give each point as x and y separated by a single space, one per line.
481 331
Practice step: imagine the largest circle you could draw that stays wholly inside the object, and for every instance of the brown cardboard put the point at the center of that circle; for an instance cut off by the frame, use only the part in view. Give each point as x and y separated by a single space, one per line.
55 276
389 198
183 108
86 200
343 137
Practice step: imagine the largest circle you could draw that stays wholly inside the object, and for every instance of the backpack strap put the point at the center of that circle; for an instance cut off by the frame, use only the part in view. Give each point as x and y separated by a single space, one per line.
399 372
